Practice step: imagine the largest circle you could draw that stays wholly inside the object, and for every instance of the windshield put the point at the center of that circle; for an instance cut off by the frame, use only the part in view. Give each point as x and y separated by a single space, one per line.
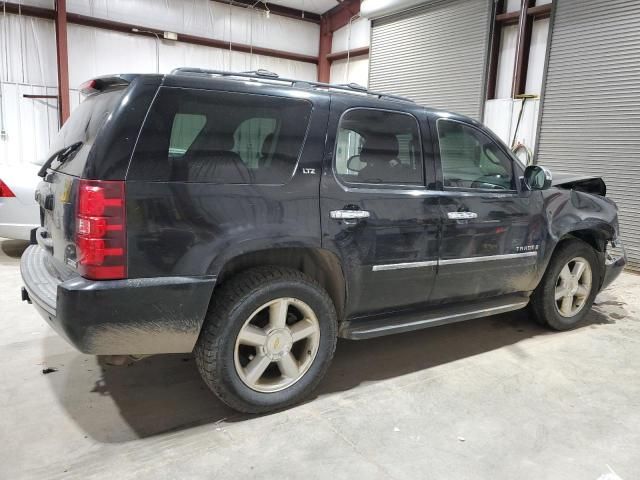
83 126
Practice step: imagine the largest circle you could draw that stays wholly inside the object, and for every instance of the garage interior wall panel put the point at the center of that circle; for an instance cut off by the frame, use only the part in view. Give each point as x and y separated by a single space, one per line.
26 125
94 52
353 70
435 54
590 120
357 34
208 19
28 56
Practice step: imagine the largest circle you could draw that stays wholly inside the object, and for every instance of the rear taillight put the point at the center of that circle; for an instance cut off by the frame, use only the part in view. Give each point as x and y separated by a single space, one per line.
101 239
5 192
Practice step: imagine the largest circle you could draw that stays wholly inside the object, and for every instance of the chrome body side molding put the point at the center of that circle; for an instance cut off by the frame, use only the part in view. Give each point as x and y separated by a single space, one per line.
432 263
400 266
489 258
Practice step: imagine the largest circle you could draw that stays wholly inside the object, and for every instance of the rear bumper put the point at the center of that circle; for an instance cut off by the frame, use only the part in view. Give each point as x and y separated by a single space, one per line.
117 317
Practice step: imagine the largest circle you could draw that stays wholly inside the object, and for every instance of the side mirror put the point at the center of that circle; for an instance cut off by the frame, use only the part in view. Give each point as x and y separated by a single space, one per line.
537 177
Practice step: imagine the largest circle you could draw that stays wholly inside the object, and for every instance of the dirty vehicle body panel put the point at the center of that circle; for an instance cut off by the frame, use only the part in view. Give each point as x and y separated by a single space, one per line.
417 250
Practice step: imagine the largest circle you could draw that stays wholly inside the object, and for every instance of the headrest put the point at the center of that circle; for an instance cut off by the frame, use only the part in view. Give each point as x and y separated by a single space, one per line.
267 144
213 141
381 144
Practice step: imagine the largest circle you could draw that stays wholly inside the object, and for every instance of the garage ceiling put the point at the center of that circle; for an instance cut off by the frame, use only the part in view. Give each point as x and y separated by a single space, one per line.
315 6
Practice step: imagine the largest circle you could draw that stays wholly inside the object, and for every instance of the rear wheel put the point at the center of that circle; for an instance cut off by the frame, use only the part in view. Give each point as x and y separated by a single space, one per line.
268 339
567 290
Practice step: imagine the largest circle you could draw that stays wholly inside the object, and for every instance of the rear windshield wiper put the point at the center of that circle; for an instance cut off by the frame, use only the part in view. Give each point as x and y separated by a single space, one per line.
61 155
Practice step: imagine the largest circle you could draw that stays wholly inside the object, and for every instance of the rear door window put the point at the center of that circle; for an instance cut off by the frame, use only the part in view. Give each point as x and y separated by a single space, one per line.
220 137
378 147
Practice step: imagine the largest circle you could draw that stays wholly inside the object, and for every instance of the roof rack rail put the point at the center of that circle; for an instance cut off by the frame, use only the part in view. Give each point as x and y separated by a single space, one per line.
267 75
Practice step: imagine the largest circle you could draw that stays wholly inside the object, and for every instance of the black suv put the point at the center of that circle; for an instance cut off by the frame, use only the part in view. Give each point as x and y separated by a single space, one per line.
253 220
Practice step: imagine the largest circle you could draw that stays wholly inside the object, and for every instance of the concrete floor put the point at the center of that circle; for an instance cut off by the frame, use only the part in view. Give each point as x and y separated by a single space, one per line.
494 398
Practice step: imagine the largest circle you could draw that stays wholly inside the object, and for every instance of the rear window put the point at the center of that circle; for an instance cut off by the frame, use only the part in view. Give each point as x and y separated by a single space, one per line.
220 137
83 125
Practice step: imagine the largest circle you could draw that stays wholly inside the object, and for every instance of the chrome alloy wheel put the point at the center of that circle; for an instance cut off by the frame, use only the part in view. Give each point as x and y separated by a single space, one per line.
276 345
573 287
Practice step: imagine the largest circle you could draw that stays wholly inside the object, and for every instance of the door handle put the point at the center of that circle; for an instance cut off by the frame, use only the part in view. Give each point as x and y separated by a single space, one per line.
349 214
462 215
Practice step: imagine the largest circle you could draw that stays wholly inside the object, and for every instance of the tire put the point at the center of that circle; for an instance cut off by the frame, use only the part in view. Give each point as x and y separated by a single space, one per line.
255 300
555 313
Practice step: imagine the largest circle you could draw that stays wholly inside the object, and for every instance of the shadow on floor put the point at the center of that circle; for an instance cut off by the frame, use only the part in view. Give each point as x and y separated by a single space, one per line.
13 248
165 393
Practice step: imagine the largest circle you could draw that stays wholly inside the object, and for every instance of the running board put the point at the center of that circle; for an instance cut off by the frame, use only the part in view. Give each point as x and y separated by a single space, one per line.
442 315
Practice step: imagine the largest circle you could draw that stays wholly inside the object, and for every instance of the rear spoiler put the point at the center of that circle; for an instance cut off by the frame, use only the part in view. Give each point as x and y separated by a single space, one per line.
99 84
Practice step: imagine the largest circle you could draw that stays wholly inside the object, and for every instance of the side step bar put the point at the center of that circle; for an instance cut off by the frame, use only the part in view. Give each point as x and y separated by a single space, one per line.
407 321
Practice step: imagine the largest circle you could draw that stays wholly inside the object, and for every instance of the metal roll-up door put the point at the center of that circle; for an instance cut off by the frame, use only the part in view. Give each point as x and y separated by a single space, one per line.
435 54
590 120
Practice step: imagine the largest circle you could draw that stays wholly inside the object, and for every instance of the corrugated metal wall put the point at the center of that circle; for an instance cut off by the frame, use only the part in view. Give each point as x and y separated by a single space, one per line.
435 54
591 103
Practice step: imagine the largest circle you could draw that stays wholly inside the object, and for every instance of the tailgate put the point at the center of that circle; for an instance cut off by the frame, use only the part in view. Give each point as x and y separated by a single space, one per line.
58 192
56 196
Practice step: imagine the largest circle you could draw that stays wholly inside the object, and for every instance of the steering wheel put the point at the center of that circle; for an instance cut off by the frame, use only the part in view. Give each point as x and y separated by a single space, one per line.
350 163
484 182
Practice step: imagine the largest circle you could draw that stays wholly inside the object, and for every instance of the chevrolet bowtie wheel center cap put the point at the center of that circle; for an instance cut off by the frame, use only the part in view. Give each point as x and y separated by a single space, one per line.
278 343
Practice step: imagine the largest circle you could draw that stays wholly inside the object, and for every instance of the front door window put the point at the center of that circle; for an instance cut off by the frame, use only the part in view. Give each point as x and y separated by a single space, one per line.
472 160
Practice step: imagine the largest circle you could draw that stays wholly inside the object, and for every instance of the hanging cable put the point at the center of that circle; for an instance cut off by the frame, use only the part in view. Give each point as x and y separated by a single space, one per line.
346 72
230 31
251 36
137 30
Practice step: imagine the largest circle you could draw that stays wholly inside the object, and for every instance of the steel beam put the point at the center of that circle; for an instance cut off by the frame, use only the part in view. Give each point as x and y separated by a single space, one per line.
324 65
525 25
336 18
62 55
496 35
354 52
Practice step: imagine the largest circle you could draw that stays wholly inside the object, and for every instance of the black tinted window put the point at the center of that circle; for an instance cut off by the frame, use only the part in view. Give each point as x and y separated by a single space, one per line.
83 125
375 146
470 159
220 137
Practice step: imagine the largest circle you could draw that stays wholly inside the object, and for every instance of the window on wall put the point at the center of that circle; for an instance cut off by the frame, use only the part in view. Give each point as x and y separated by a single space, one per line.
470 159
220 137
518 54
378 147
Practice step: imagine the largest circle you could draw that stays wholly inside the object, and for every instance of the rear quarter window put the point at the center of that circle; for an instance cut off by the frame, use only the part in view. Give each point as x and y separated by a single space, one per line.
220 137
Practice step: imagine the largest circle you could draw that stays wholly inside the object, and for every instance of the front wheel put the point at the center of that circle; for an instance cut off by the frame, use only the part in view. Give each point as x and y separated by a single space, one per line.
268 339
567 290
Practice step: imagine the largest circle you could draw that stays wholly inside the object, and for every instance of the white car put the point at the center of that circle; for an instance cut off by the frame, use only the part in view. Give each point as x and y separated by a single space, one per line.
19 212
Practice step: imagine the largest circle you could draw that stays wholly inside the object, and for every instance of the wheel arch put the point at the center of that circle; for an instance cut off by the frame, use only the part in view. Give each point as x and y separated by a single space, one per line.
596 236
319 264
